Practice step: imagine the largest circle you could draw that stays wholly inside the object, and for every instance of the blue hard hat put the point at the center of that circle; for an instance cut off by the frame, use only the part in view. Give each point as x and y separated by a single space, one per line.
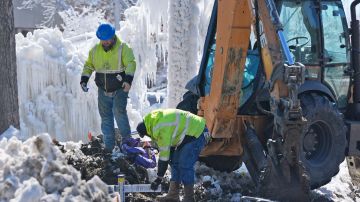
105 32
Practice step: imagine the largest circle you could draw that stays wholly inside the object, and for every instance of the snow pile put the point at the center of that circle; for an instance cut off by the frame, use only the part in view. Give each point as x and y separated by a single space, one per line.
35 170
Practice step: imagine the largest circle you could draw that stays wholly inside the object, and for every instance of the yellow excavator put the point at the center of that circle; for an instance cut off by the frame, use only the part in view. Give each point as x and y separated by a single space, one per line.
279 87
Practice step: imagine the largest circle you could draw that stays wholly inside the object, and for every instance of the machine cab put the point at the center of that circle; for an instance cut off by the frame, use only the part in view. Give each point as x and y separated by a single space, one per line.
316 32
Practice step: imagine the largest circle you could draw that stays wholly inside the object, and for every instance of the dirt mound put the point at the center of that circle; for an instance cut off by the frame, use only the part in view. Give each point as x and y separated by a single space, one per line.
93 160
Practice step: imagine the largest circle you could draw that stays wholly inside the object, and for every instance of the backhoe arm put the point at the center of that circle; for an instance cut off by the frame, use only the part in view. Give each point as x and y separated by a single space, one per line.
232 40
235 19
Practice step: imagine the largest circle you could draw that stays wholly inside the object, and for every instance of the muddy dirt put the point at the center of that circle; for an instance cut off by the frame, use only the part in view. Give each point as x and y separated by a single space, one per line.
92 160
211 185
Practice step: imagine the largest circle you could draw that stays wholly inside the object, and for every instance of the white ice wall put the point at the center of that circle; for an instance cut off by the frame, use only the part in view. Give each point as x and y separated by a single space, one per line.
50 99
145 29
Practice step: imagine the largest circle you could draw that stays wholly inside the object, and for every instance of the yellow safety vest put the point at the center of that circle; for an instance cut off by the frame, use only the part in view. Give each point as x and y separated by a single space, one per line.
168 127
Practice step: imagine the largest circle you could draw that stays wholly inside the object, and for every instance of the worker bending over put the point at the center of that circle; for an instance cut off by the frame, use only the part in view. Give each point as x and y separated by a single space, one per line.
180 137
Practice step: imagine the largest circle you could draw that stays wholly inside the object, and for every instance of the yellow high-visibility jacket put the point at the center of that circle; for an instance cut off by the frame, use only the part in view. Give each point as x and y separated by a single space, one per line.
168 127
110 71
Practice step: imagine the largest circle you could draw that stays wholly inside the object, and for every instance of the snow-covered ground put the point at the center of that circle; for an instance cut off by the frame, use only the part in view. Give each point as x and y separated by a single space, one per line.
340 188
51 101
36 170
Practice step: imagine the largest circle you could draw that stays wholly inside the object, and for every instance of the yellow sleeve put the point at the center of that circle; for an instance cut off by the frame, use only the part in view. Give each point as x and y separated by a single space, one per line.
128 60
89 66
163 141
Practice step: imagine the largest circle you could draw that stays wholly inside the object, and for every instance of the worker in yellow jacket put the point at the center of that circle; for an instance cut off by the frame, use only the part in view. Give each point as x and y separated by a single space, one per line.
114 64
180 137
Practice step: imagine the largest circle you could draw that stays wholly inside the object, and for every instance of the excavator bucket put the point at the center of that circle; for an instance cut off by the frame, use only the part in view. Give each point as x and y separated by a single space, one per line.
285 182
280 175
285 178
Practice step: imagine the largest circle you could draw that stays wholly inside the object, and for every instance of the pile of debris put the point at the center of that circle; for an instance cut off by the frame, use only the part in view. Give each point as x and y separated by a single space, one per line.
91 159
211 185
106 165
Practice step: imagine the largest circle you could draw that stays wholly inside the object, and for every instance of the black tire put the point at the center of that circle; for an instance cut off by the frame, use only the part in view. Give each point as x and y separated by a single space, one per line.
324 141
222 163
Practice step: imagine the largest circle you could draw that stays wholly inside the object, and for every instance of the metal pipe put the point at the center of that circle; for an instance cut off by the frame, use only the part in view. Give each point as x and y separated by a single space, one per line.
285 47
352 9
274 15
355 51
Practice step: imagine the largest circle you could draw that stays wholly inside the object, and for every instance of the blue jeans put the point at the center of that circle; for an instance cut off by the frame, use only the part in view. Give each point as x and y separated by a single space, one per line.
110 106
182 161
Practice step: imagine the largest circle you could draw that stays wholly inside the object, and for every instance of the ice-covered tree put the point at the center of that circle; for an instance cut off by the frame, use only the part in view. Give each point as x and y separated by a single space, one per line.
184 17
113 9
51 9
79 22
9 108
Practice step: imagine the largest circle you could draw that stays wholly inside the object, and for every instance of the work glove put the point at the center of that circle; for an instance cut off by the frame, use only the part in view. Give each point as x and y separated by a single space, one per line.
84 87
126 86
127 82
155 184
83 83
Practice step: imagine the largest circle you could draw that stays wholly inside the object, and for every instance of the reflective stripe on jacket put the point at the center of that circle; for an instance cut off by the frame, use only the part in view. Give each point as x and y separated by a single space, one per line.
168 127
108 67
